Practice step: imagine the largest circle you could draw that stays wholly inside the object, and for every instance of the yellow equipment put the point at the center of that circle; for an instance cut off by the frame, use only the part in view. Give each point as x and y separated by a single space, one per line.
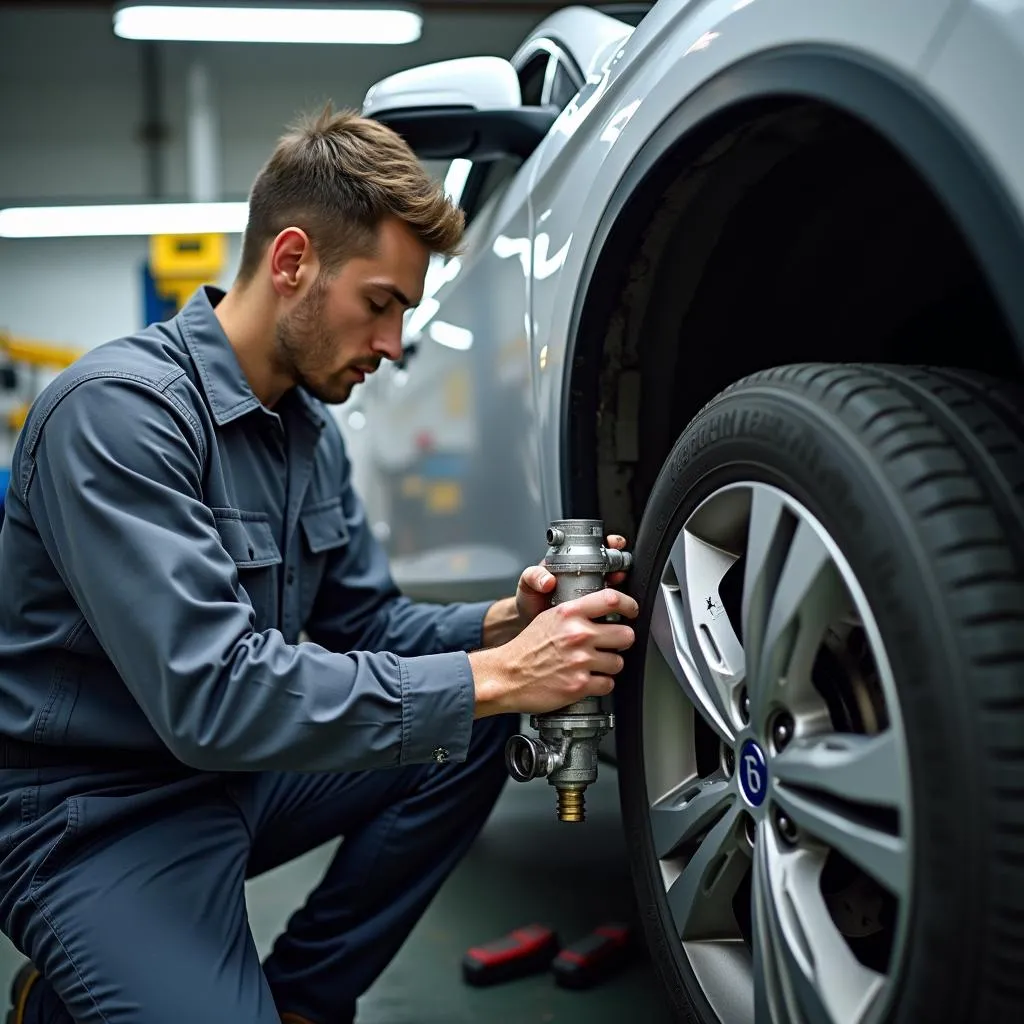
42 354
39 356
179 264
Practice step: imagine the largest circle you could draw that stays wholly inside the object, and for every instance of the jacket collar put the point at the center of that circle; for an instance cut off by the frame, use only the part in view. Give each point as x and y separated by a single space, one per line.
224 383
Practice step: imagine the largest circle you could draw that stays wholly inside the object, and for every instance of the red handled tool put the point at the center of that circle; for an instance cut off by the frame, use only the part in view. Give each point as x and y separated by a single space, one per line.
590 960
523 951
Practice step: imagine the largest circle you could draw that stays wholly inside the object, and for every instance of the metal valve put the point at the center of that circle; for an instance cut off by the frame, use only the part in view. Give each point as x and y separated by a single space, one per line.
565 749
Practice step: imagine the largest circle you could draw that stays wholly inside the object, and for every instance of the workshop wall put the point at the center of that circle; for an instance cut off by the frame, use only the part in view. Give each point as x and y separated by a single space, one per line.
72 111
75 101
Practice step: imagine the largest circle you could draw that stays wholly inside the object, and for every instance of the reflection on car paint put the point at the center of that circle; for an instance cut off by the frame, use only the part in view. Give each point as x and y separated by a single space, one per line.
450 335
701 43
619 121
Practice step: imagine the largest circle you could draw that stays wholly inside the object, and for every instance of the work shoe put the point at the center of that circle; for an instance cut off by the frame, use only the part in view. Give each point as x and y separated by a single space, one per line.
21 986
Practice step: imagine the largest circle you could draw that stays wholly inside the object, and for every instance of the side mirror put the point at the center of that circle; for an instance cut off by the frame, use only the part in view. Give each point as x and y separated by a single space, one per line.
470 108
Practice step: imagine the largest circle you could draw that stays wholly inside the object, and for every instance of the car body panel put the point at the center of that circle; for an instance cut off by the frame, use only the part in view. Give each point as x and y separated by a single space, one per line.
974 73
497 323
675 51
457 437
453 484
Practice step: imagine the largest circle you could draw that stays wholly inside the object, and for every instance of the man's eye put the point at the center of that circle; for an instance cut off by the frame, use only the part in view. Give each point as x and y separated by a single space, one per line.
376 307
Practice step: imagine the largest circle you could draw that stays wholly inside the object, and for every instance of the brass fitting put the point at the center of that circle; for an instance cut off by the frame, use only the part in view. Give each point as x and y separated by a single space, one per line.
571 803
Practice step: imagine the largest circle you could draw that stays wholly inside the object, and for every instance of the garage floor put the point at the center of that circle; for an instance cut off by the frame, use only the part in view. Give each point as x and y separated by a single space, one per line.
526 866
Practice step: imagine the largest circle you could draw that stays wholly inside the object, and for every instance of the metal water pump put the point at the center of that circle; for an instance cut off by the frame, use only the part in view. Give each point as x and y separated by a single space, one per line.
565 749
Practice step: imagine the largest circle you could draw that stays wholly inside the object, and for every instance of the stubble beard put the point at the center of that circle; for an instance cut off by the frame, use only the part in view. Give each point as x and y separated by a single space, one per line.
303 345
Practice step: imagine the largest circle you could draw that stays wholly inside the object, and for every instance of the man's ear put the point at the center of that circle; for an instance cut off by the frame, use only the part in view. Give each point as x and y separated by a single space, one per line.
293 262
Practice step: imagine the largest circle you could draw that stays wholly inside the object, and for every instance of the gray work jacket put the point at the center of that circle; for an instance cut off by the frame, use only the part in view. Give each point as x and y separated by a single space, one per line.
167 541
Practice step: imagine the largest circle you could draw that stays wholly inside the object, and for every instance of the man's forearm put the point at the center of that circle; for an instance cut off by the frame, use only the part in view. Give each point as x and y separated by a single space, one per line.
501 623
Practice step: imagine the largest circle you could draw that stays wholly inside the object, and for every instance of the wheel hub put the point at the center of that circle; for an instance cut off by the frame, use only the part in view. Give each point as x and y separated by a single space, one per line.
753 769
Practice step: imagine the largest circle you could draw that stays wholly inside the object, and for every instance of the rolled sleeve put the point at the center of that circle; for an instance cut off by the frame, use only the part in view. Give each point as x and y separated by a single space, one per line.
437 708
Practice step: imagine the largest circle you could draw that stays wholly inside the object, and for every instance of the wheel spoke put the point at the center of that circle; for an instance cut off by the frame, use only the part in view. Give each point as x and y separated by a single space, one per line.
671 637
807 596
804 970
860 834
701 898
700 567
682 815
768 537
771 996
862 769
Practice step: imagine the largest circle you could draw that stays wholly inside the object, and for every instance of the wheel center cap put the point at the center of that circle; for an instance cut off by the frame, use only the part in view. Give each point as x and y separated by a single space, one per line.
753 771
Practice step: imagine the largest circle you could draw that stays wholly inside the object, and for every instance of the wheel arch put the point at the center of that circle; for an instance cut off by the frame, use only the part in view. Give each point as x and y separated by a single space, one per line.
600 408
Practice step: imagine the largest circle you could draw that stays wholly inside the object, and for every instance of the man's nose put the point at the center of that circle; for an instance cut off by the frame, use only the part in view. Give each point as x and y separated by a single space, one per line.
388 341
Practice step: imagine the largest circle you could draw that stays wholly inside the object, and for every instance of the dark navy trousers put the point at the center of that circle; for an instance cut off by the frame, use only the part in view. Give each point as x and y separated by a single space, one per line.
130 897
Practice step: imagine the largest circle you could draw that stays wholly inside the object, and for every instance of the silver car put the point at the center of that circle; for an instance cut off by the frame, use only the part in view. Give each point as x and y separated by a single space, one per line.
742 279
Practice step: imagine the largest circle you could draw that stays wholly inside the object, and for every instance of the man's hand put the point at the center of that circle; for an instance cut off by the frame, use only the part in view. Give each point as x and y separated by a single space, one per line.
533 595
562 656
507 618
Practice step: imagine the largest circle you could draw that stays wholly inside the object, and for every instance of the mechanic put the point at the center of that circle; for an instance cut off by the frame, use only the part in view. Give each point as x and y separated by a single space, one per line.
205 667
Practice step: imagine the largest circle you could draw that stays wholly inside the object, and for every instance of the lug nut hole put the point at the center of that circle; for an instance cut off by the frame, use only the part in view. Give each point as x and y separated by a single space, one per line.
783 730
786 827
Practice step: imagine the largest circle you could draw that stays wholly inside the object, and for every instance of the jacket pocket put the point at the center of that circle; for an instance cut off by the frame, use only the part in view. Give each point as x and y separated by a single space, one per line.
324 526
247 537
249 540
325 535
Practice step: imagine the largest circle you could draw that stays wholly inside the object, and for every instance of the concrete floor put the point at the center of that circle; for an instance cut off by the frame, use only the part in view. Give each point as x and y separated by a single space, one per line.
526 866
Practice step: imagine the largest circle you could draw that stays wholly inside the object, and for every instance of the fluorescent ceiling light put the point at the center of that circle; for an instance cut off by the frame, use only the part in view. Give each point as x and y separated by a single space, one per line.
123 219
283 24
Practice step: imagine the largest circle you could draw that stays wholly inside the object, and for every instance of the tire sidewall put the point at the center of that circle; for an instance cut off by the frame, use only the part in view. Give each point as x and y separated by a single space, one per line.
766 434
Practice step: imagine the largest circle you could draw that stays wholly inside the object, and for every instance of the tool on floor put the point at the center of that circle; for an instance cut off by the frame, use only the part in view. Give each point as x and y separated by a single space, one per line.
534 948
593 958
523 951
565 749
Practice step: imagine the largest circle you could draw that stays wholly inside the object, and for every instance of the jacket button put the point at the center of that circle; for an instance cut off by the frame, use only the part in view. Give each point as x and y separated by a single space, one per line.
440 755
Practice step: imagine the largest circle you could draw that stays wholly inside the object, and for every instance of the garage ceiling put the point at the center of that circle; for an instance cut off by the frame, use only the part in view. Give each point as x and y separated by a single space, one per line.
99 118
447 6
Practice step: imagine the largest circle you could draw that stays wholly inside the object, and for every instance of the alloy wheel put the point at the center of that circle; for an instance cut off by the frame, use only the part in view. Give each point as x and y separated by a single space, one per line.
776 767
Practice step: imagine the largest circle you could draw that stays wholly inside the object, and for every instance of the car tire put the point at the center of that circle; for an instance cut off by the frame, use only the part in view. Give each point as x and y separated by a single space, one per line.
890 498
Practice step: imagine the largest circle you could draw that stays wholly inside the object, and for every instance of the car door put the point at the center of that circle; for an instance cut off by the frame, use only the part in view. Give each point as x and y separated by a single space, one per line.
448 433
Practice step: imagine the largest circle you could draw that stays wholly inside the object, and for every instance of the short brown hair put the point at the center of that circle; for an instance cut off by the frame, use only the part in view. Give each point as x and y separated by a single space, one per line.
337 176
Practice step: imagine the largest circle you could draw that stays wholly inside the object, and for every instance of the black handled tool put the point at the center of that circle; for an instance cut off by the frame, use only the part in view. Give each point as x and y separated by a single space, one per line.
593 958
527 950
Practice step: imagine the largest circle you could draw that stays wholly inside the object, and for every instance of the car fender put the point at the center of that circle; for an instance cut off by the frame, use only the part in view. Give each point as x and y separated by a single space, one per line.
683 56
976 76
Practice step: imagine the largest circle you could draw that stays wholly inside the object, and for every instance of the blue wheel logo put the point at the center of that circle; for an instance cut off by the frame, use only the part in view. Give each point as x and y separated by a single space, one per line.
753 769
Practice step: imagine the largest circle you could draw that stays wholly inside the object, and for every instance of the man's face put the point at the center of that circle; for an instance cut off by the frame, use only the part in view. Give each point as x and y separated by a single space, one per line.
349 321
